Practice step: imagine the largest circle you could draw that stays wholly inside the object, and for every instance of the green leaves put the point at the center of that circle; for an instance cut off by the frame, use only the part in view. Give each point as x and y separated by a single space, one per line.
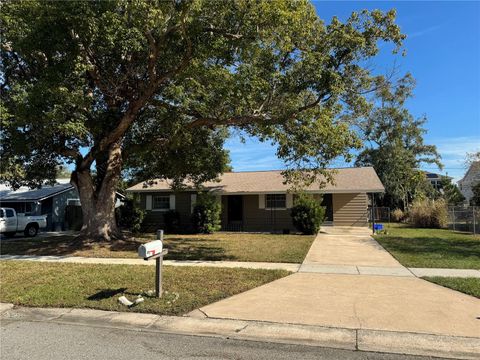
398 149
167 79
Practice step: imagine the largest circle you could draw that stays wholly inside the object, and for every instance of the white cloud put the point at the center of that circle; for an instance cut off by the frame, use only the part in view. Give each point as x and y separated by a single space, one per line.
453 151
422 31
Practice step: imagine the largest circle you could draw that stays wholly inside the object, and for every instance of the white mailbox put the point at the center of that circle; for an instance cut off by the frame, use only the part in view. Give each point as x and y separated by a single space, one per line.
150 249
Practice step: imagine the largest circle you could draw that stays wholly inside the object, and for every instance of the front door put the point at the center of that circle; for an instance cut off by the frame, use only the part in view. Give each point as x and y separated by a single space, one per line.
235 209
327 202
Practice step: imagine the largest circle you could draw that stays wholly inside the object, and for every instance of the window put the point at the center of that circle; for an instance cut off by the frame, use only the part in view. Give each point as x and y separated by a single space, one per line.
275 201
9 213
161 202
74 202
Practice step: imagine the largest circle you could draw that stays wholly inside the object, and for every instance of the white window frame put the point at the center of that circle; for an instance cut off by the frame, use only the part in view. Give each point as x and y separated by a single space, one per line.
74 199
164 196
275 208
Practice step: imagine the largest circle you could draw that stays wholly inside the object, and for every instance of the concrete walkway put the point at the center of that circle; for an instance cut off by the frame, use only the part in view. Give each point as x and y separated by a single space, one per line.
312 267
386 303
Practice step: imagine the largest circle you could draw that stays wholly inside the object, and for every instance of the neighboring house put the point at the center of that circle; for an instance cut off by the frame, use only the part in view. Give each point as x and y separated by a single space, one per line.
260 201
435 179
50 200
471 178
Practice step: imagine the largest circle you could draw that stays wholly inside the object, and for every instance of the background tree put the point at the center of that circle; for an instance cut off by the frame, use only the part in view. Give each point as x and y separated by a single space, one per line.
451 192
475 200
394 143
63 172
152 87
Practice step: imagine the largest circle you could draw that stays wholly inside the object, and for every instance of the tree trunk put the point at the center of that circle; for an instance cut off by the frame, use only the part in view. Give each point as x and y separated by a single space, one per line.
98 201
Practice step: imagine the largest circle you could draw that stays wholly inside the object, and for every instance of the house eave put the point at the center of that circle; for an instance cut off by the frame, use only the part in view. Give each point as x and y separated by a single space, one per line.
334 191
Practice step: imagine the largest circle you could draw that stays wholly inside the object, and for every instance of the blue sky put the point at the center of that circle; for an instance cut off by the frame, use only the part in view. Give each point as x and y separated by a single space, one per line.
443 54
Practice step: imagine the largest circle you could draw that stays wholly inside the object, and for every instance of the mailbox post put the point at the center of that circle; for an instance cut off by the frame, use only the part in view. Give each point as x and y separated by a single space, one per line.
154 250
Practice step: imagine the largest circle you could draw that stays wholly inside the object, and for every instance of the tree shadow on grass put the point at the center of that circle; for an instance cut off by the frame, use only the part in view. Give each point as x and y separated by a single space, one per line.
179 248
55 246
184 248
106 294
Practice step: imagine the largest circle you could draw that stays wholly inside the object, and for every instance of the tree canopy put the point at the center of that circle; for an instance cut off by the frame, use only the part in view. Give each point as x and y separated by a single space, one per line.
153 87
394 143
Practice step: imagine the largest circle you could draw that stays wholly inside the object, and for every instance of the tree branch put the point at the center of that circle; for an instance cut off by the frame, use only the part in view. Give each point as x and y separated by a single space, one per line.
135 106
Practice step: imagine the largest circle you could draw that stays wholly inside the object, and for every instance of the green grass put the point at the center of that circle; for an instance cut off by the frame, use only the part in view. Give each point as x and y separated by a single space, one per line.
431 248
469 286
100 286
218 246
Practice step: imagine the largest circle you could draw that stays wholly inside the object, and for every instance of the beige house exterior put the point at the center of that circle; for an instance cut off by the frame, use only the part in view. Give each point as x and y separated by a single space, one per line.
260 201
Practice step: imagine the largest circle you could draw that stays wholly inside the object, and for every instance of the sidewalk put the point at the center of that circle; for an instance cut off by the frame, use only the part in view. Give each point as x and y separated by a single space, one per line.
120 261
308 266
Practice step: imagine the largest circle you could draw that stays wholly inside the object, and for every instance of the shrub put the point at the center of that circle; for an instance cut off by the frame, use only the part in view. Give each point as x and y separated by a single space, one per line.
172 221
398 215
206 214
130 216
429 214
307 214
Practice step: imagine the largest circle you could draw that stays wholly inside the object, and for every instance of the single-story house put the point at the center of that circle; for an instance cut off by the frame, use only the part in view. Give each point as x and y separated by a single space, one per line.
50 200
260 200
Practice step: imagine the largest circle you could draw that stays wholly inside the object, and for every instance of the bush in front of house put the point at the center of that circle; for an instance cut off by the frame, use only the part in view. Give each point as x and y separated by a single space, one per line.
307 214
130 216
398 215
172 221
426 213
206 214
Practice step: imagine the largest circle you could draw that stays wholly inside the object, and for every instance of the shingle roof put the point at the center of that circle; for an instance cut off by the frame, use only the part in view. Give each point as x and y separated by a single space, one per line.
27 194
346 180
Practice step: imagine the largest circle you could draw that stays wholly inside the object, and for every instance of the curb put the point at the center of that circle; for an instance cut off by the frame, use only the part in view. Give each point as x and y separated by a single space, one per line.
340 338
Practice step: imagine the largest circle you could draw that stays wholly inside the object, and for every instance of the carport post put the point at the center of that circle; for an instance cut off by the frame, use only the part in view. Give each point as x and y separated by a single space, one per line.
474 221
373 213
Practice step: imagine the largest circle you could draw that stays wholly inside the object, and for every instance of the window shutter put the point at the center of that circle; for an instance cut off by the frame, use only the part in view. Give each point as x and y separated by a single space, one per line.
261 201
193 201
289 200
172 202
148 205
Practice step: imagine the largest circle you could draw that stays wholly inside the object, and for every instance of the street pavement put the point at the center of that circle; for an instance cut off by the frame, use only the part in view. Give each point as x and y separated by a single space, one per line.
22 340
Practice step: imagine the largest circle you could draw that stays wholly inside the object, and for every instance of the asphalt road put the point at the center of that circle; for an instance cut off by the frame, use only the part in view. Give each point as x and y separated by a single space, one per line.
51 341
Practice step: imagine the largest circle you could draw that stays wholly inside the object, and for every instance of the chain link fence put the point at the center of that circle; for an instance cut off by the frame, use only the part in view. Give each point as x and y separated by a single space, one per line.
382 214
464 218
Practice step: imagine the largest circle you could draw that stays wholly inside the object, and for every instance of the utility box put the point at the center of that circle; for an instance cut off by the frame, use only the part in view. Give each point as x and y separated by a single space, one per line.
150 249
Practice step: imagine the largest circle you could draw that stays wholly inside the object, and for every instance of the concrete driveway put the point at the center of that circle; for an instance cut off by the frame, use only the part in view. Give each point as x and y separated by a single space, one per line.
348 280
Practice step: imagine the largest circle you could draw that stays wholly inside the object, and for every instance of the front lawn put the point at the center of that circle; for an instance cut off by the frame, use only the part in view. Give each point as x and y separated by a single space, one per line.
469 286
100 286
218 246
431 248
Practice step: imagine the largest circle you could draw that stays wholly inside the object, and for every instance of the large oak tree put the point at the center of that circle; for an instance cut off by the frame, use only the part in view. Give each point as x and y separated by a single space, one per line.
153 87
